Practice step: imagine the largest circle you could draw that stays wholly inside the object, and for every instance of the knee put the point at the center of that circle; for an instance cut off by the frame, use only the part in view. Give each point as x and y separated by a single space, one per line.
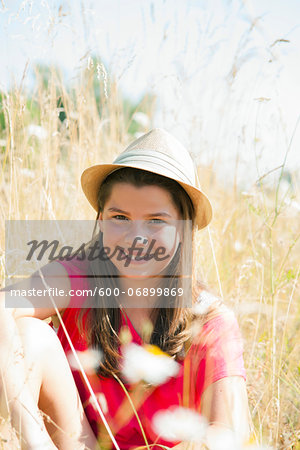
37 336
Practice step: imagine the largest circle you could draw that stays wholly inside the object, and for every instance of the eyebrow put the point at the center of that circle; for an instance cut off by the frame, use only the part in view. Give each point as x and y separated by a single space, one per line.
157 214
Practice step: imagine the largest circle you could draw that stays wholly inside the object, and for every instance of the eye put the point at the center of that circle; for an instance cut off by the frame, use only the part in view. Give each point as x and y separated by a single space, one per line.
157 221
120 217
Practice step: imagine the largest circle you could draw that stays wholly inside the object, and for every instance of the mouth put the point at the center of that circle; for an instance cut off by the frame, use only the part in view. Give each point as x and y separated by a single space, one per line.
135 258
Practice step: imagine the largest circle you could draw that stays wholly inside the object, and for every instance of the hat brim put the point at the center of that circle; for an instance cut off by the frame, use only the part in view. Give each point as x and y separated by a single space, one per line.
93 177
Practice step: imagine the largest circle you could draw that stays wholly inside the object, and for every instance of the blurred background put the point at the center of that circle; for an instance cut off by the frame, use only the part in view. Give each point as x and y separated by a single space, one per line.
79 80
225 74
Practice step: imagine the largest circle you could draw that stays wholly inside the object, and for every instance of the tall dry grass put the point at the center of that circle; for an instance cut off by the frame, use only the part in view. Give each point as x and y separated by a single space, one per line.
254 234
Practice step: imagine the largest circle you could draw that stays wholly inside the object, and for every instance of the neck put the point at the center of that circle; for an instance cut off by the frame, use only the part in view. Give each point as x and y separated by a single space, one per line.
137 292
143 320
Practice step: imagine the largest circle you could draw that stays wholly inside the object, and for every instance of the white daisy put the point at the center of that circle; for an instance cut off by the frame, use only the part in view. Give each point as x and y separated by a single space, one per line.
180 424
147 363
89 359
204 302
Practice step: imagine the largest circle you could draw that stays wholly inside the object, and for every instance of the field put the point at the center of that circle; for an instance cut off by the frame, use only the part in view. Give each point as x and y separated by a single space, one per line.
249 255
250 250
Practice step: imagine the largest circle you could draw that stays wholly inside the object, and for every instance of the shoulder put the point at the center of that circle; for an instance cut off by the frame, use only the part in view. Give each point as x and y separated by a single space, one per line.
77 272
74 266
217 347
215 327
210 308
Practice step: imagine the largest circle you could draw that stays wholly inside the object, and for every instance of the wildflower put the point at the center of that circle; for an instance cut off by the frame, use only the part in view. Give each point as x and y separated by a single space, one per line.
223 439
102 402
238 247
147 363
37 131
28 173
141 119
101 399
204 302
180 424
125 336
90 63
293 204
248 194
89 359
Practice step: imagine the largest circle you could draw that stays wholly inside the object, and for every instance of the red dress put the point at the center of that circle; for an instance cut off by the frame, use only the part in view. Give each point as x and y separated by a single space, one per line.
216 354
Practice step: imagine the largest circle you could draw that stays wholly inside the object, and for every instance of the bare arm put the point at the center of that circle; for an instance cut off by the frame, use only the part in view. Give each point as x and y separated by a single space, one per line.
54 275
225 405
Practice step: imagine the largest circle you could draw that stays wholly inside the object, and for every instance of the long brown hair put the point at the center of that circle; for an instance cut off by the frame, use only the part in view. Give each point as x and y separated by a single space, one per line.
171 329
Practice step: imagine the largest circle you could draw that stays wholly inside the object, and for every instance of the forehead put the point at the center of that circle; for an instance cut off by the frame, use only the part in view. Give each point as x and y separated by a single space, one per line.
148 198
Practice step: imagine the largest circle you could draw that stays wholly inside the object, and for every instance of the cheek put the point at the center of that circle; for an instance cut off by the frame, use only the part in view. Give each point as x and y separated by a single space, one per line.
112 233
168 237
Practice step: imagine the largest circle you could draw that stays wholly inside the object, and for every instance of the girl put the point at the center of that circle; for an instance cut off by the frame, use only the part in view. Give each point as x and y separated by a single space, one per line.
148 208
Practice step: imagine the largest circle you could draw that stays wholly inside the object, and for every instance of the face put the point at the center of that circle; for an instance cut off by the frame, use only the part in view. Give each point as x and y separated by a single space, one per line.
143 222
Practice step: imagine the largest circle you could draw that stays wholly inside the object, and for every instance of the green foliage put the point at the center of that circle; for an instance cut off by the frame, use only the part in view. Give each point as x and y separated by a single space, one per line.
43 74
255 209
290 275
98 83
2 116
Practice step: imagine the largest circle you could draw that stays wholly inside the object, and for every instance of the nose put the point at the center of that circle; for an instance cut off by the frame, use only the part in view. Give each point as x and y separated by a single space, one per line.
142 241
136 234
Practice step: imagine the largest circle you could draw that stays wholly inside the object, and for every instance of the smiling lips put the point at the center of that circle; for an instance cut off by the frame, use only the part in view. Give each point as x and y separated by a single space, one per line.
132 257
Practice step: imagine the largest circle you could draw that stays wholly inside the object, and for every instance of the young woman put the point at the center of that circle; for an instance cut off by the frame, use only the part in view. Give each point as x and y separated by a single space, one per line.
140 266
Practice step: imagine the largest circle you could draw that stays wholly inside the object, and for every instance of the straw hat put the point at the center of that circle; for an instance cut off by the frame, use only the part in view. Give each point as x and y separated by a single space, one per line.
158 152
